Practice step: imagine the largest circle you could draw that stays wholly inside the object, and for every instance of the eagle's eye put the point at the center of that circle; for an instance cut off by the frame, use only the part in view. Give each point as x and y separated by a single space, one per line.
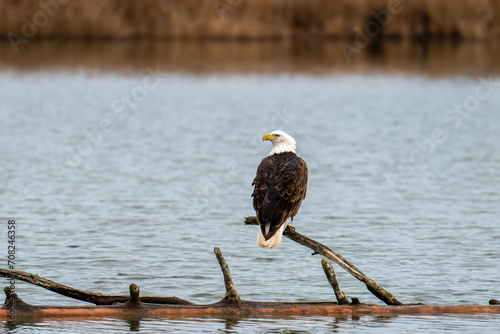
276 135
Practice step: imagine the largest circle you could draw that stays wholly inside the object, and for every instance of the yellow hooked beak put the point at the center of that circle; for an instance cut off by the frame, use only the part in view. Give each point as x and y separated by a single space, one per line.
269 136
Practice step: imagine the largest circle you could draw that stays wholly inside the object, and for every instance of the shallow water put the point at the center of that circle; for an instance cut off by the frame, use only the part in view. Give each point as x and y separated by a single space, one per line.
146 201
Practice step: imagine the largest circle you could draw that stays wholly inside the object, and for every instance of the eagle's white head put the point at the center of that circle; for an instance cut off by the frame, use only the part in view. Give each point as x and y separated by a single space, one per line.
282 142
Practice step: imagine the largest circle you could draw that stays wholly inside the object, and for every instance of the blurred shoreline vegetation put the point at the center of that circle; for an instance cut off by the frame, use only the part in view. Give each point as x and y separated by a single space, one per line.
248 19
291 56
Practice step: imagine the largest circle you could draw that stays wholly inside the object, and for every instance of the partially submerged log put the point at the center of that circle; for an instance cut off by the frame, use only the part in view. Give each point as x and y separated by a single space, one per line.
136 310
136 306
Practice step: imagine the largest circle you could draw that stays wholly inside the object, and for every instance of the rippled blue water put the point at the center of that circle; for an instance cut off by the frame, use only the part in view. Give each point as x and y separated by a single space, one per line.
401 187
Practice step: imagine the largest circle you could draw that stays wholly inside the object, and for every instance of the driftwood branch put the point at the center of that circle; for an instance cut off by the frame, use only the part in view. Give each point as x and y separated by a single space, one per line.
90 297
231 293
330 274
318 248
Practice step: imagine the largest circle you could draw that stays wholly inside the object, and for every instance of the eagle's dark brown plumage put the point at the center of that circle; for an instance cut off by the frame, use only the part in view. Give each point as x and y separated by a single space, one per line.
280 187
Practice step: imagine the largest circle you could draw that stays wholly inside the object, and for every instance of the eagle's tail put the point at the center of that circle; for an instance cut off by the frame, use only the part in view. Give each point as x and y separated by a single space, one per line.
275 240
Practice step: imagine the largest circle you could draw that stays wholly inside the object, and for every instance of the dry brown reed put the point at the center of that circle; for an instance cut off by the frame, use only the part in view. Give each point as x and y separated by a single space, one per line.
249 19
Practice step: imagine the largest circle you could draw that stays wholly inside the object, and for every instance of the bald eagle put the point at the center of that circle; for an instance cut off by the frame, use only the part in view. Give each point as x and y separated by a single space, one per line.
280 187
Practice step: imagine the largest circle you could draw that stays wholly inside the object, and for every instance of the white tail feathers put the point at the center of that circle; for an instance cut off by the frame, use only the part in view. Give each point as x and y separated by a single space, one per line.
274 241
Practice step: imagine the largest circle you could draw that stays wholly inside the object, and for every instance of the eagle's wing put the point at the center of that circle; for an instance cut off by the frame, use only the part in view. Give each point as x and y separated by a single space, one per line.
279 191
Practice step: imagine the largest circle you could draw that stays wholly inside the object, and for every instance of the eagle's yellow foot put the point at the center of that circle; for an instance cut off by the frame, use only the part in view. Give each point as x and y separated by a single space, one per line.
291 227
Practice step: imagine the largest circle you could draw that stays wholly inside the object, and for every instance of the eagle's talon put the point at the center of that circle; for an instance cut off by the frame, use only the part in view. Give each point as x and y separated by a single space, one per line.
291 227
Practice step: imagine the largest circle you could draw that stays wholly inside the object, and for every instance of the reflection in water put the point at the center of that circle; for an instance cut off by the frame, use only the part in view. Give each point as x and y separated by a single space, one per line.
231 323
134 325
435 58
411 324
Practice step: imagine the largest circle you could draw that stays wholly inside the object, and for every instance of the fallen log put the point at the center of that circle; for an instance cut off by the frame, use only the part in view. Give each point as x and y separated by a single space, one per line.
231 305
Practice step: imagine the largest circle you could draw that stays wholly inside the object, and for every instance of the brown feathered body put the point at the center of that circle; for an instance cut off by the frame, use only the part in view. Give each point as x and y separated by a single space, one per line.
279 188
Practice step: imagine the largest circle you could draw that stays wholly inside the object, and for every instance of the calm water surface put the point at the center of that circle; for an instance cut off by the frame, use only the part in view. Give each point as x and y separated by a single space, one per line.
404 189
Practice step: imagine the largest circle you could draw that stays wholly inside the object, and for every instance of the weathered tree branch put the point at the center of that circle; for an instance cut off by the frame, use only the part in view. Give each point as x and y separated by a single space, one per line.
330 274
231 293
91 297
318 248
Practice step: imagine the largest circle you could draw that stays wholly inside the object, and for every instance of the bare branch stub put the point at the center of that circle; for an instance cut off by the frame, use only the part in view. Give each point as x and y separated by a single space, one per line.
134 295
231 295
13 301
318 248
330 274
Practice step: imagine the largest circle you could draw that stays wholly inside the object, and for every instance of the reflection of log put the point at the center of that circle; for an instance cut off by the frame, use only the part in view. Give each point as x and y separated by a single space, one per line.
91 297
318 248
